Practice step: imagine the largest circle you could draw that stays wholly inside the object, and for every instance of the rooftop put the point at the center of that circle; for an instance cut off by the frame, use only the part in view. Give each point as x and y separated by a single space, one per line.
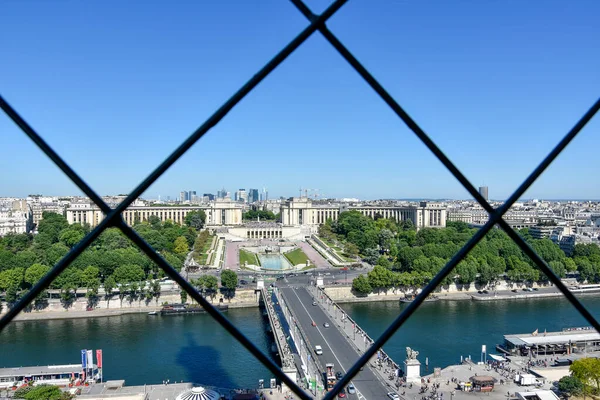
41 370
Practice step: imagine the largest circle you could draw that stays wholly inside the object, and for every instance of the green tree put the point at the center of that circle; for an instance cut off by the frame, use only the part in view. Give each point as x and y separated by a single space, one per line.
109 285
570 386
195 219
51 225
467 270
72 235
155 290
371 256
558 268
380 278
350 250
128 273
181 246
34 273
361 285
587 370
208 284
41 392
183 294
229 280
12 279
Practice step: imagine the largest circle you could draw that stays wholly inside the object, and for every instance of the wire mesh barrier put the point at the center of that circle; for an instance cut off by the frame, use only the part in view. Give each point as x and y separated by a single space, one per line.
317 22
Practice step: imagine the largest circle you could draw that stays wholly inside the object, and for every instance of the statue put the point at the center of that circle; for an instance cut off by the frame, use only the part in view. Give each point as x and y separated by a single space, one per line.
411 354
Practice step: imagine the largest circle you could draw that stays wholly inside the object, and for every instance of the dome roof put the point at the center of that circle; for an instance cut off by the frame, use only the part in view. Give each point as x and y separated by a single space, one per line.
199 393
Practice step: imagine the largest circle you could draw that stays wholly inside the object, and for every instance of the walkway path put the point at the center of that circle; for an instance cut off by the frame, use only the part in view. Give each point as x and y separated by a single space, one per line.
219 253
232 255
313 255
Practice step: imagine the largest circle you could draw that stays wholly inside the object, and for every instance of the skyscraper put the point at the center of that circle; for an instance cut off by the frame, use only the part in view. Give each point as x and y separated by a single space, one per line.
182 196
252 195
241 195
483 191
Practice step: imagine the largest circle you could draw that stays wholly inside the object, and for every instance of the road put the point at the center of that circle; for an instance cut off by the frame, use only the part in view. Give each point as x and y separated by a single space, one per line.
336 348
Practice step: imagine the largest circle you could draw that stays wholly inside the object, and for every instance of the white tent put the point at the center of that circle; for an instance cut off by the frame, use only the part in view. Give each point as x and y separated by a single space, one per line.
199 393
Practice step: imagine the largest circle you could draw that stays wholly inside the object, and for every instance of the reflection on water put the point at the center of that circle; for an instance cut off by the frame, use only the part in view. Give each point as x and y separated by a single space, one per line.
146 349
273 261
442 331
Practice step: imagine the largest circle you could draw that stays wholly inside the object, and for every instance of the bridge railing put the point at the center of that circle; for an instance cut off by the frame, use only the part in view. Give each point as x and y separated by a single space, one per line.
316 22
359 330
301 339
285 353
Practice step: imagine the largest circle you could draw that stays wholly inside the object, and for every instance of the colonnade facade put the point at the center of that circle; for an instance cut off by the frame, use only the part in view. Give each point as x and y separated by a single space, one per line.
217 214
302 212
264 233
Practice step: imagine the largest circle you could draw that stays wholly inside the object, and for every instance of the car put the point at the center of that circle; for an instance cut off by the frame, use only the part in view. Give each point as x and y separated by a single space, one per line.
351 389
393 396
535 288
314 303
326 325
514 290
485 292
318 350
342 394
243 282
524 289
479 291
339 375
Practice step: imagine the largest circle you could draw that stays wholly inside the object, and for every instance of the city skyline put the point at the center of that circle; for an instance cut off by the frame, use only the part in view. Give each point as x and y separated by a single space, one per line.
495 97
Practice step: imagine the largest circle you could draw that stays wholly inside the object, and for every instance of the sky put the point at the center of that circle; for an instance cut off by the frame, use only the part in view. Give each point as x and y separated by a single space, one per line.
114 87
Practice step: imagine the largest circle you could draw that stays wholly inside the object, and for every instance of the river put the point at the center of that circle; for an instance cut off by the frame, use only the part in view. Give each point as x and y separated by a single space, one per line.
442 331
149 349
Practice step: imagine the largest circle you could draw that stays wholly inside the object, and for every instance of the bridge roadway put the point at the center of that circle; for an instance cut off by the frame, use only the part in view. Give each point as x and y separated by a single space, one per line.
336 347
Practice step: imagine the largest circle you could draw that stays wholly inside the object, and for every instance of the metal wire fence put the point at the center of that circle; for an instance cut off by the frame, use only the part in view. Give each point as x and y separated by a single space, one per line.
317 22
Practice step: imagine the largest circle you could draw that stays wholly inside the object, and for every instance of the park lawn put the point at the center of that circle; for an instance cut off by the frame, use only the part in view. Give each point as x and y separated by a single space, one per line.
204 252
296 257
246 256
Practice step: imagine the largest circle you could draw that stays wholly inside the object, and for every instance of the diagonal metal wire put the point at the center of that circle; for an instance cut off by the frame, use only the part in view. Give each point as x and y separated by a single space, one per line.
229 104
52 155
217 316
113 217
495 215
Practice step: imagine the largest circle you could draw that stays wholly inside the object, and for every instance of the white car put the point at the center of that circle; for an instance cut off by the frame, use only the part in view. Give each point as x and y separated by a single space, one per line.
318 350
351 389
393 396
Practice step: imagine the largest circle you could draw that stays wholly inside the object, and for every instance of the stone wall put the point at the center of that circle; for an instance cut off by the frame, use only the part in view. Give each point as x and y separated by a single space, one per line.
344 294
242 298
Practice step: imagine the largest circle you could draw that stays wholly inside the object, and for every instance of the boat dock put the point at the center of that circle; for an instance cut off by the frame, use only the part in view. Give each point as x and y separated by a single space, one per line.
567 341
176 309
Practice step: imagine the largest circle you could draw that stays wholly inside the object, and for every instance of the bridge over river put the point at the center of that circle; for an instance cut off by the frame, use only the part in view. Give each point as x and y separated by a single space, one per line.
343 342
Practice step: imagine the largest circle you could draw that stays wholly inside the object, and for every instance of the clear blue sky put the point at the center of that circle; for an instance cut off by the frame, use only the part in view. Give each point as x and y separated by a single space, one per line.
490 81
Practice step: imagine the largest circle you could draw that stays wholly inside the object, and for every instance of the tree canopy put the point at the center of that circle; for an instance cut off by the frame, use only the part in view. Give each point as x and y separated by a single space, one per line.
110 259
195 219
398 247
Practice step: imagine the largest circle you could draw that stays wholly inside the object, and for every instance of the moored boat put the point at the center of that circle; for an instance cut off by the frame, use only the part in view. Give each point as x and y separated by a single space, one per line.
174 309
429 299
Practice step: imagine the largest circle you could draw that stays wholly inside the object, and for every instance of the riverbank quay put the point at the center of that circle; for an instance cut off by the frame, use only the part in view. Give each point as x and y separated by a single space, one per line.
344 294
244 298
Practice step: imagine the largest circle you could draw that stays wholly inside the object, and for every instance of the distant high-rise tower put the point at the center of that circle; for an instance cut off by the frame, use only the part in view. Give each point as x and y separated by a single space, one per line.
182 196
252 195
483 191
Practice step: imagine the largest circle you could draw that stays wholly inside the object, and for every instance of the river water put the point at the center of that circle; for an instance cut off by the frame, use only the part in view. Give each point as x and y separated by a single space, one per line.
149 349
442 331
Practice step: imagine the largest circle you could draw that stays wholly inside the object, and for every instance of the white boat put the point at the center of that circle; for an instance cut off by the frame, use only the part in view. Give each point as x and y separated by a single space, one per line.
153 313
